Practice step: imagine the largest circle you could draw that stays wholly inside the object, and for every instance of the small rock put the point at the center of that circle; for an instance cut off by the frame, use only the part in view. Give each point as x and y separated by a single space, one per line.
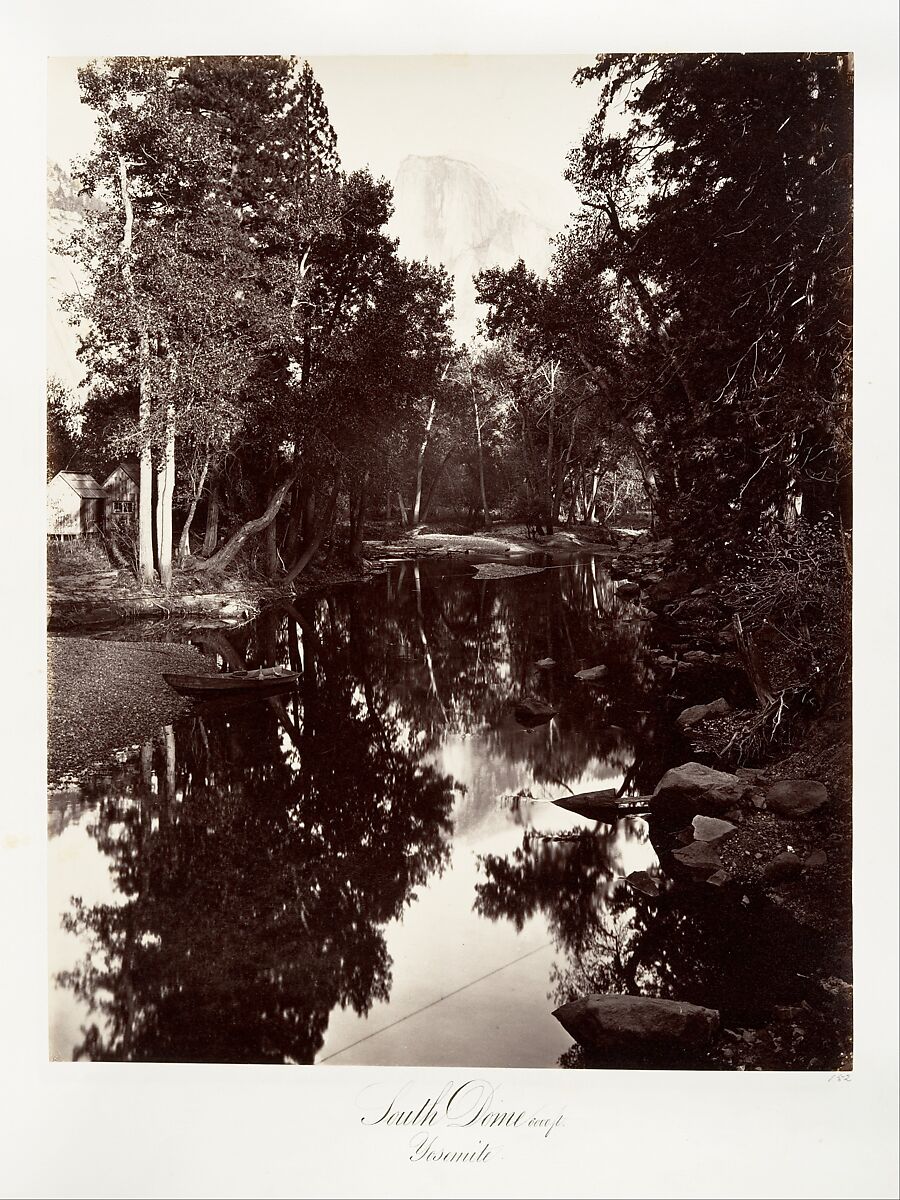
818 858
628 589
591 674
719 878
545 663
697 657
837 988
644 883
700 712
665 661
787 1012
796 797
784 866
533 712
700 859
711 829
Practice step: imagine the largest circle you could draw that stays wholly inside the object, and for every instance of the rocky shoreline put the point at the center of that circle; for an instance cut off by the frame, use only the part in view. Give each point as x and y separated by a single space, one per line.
777 826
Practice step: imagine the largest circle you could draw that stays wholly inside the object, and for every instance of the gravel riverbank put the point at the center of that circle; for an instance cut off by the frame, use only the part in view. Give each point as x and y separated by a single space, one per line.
104 695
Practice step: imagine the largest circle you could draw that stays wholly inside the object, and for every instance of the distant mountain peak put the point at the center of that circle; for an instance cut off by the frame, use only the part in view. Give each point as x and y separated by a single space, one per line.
451 212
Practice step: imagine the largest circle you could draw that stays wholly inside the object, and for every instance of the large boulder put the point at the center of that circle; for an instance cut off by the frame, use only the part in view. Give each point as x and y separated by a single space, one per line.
637 1024
796 797
710 792
700 712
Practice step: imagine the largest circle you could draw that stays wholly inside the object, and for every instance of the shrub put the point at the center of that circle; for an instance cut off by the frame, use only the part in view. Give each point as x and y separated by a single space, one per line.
792 589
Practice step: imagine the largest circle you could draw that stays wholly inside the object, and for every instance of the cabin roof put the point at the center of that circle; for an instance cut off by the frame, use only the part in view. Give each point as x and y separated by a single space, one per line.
130 467
85 486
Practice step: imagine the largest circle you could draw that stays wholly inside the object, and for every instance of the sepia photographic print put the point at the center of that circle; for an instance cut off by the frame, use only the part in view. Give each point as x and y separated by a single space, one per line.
450 528
449 564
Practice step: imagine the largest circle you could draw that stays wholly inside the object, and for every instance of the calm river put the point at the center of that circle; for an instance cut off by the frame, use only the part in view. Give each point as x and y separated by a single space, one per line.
371 870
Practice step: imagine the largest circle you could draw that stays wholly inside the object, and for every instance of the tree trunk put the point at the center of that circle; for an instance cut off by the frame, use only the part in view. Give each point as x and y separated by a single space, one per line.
484 507
249 529
145 497
591 506
434 482
211 534
313 545
184 542
420 463
358 523
403 514
753 664
270 542
270 560
165 487
145 502
301 496
549 506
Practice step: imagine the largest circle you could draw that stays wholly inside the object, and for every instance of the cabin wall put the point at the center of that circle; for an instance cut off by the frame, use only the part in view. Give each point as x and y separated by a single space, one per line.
63 510
122 499
92 514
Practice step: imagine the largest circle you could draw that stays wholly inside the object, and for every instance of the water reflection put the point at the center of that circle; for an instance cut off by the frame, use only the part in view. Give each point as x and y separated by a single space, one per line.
305 878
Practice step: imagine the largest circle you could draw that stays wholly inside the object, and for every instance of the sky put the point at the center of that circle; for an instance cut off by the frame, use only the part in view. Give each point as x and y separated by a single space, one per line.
517 114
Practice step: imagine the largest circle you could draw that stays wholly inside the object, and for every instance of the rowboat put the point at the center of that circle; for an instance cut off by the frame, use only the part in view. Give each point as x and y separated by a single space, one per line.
263 680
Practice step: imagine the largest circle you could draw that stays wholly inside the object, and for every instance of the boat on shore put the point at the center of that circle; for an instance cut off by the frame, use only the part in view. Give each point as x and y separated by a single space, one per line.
262 680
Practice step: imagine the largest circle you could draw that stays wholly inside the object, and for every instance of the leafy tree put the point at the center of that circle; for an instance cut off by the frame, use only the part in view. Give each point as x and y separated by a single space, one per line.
62 439
165 257
703 286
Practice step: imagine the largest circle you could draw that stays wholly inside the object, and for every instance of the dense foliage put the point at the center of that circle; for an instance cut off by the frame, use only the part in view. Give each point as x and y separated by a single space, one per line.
258 340
704 284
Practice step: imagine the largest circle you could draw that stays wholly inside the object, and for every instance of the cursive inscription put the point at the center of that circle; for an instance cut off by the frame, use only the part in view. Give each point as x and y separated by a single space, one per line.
474 1105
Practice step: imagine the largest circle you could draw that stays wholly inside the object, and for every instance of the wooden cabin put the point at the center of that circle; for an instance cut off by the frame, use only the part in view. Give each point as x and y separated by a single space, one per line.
75 505
122 489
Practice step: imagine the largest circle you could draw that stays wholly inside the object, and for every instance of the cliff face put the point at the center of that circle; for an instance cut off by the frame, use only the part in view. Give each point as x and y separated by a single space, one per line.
64 210
450 212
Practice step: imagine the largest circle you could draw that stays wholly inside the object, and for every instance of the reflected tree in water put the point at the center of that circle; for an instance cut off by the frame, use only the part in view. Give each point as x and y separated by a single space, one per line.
447 652
259 852
257 864
571 880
